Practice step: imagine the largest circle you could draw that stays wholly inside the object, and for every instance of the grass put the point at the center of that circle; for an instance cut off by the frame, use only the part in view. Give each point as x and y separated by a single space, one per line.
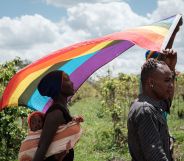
86 149
89 148
176 127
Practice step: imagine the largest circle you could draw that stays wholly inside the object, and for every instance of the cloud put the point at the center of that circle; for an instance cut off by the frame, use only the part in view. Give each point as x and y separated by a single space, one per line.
100 19
32 37
167 8
26 31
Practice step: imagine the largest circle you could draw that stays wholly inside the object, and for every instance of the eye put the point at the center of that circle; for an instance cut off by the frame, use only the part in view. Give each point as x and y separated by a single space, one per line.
168 80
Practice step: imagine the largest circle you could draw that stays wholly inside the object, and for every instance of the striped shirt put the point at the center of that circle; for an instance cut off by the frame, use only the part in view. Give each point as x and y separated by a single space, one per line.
148 135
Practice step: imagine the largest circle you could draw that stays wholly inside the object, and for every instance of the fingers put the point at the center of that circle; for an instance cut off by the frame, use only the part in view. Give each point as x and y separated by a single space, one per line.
81 119
78 119
168 52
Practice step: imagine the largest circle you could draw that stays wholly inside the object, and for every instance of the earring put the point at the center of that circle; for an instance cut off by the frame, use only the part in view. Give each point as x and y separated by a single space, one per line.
151 85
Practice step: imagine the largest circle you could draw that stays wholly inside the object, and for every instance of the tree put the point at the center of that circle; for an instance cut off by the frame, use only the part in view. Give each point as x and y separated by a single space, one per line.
12 124
117 95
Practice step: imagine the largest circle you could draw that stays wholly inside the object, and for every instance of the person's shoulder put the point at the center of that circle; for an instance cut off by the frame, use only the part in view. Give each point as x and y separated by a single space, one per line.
140 108
140 105
54 113
54 109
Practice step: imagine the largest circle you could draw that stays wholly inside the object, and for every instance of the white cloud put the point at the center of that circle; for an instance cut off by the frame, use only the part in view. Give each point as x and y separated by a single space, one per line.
31 37
100 19
34 36
26 31
167 8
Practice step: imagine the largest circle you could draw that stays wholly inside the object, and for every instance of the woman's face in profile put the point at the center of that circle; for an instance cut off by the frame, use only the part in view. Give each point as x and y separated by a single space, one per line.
67 85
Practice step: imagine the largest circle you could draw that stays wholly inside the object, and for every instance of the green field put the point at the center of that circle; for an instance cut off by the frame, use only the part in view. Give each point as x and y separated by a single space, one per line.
88 147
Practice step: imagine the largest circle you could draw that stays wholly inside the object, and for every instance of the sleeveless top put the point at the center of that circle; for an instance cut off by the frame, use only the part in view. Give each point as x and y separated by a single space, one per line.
67 118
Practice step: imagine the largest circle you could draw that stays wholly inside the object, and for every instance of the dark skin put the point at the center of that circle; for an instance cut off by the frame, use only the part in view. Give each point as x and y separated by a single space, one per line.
168 55
54 119
36 123
170 43
159 85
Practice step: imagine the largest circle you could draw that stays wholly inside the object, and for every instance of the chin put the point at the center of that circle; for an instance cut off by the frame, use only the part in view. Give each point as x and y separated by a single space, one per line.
69 94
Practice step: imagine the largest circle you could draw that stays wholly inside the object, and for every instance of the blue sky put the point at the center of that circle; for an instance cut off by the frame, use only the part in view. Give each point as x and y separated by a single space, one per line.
142 7
18 8
31 29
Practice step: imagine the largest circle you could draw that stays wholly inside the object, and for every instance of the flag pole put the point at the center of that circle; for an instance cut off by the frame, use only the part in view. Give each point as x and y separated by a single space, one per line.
172 32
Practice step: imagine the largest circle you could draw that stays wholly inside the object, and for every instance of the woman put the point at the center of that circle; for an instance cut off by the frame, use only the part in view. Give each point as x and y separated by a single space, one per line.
59 87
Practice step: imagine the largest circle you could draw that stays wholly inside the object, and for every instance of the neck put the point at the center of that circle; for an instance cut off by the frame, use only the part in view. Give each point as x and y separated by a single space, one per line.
149 93
60 99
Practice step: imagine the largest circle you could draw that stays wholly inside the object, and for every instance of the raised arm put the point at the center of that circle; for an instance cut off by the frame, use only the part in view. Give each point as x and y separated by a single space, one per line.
169 56
171 41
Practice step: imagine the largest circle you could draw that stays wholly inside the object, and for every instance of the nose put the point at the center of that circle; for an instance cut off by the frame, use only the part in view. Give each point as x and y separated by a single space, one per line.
71 83
171 84
171 89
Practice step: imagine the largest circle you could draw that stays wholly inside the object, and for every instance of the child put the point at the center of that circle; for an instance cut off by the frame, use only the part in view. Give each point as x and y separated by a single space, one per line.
35 121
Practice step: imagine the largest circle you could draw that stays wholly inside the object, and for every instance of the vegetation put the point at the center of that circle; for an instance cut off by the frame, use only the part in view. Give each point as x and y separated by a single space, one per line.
104 104
12 120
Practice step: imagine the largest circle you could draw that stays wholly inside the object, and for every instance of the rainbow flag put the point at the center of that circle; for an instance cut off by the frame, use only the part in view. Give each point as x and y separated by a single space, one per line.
81 60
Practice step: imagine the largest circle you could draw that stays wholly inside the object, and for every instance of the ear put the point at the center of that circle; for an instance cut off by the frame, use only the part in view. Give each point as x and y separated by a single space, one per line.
151 82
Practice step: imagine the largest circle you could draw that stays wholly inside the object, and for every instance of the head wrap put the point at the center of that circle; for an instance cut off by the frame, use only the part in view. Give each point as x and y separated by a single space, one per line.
152 54
50 85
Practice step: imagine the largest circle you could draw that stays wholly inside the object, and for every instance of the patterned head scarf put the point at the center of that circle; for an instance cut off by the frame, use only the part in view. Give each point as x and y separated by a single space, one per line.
152 54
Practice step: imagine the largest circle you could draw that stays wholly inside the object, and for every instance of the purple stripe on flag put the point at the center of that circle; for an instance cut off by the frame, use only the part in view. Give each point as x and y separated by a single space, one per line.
103 57
48 104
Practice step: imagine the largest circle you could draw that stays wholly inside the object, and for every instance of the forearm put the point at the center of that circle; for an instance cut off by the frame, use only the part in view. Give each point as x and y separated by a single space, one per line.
45 141
171 41
39 155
